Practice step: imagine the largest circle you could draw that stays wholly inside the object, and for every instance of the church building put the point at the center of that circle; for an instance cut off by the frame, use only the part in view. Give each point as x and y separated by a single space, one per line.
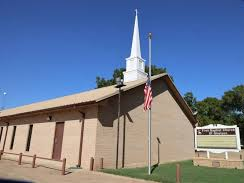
84 125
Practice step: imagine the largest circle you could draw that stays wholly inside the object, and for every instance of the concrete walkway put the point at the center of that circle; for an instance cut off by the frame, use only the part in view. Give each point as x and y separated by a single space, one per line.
10 170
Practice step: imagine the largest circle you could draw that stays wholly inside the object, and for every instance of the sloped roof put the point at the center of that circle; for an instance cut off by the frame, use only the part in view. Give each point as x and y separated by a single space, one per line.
93 96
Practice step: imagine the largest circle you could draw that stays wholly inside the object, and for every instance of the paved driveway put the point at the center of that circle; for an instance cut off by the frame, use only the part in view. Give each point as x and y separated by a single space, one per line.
10 170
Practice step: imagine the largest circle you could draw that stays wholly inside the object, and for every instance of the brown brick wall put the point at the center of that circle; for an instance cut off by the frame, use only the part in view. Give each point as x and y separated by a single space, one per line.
169 124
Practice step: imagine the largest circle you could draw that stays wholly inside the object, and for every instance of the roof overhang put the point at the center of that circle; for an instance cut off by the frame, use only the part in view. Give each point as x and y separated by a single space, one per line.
48 110
111 92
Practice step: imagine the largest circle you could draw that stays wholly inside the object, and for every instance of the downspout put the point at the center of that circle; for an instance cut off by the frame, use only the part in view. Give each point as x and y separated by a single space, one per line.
81 139
5 136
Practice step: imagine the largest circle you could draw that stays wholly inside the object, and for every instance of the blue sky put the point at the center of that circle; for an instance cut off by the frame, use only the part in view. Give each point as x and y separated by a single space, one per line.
55 48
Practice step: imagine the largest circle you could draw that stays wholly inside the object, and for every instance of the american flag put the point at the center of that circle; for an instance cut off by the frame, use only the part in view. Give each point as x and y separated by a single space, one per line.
147 95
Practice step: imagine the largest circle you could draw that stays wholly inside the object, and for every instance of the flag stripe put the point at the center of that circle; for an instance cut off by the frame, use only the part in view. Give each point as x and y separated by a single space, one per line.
147 96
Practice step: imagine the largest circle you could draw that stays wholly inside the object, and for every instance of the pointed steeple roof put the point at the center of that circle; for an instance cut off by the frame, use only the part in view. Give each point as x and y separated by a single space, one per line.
135 65
136 48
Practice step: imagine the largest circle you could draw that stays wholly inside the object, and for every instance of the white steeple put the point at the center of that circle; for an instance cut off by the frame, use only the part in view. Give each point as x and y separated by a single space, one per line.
135 65
136 48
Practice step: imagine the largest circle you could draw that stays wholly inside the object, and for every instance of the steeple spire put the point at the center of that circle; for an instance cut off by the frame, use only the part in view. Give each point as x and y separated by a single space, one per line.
135 48
135 65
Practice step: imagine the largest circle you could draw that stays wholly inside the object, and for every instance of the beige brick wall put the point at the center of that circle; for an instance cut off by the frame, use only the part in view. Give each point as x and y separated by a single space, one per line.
218 163
106 134
89 138
41 141
20 138
71 142
9 136
3 136
169 124
43 135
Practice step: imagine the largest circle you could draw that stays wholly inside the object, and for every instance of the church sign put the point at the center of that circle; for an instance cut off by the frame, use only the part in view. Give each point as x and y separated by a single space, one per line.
218 131
217 138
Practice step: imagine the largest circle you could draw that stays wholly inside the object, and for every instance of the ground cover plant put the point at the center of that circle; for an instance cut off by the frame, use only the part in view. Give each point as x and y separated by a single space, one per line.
190 174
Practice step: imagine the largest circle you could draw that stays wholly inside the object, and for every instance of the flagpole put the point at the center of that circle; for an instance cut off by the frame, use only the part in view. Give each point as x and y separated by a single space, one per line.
149 111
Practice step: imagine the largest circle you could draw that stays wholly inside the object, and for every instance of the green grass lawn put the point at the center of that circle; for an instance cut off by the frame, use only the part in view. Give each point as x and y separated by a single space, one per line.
190 174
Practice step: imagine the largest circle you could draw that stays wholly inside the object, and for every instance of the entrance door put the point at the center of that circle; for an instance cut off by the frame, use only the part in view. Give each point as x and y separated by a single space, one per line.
58 140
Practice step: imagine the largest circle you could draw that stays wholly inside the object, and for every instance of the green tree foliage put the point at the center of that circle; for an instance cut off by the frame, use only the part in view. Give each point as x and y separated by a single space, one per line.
233 100
191 101
233 105
102 82
210 111
229 110
155 70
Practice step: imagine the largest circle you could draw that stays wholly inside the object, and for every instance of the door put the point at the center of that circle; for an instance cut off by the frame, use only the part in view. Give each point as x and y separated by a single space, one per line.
58 140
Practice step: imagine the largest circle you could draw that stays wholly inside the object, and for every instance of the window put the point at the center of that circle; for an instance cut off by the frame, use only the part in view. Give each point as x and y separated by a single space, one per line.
13 136
1 133
27 148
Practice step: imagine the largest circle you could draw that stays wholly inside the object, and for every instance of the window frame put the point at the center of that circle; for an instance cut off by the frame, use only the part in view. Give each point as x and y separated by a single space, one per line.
29 136
13 138
1 133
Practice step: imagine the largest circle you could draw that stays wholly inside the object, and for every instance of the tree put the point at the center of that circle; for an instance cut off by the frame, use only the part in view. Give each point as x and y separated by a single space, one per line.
233 105
233 100
210 111
229 110
102 82
155 70
191 101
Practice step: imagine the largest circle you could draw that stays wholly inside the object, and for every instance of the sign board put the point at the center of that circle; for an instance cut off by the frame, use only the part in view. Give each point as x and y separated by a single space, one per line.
217 138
